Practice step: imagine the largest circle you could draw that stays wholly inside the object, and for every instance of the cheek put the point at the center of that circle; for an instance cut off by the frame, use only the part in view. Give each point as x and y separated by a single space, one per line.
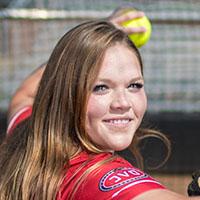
96 108
141 106
144 104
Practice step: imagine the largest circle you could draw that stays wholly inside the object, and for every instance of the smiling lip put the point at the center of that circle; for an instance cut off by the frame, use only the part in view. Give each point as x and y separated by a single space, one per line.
121 122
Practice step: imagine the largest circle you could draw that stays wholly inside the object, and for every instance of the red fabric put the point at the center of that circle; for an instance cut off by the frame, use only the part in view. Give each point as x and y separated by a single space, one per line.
19 117
115 180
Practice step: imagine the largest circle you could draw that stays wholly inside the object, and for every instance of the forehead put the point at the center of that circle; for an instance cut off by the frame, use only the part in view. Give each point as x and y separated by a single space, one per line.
119 60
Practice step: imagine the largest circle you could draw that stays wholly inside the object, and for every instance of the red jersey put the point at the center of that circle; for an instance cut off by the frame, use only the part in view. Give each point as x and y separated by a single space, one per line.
116 180
89 179
21 115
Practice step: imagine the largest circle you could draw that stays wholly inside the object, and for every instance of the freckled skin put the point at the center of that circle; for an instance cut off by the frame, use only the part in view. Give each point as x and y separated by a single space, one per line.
118 102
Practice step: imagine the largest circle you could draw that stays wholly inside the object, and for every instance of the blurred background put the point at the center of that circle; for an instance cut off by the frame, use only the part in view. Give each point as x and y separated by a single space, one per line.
29 29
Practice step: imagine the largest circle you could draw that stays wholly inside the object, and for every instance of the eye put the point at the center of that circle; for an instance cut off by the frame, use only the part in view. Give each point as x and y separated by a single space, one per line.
100 88
136 86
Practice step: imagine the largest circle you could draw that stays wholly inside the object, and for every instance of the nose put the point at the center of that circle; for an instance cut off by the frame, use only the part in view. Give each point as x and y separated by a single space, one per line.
120 102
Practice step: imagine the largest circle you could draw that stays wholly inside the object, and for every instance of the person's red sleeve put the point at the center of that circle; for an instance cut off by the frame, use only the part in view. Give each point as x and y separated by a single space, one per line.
117 182
114 181
21 115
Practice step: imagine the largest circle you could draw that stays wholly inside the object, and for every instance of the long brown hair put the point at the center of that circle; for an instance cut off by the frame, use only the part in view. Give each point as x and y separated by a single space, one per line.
32 159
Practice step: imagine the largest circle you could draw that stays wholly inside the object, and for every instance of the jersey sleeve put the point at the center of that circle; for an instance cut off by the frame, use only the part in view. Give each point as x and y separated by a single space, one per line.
21 115
116 181
125 182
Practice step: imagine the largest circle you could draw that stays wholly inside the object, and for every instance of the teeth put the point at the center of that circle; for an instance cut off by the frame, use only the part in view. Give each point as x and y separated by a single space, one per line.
119 121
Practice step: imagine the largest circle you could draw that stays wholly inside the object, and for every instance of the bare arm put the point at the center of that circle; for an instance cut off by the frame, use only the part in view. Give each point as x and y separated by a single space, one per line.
160 194
25 94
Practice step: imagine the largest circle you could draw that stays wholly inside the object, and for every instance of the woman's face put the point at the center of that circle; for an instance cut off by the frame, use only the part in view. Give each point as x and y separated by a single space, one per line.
118 101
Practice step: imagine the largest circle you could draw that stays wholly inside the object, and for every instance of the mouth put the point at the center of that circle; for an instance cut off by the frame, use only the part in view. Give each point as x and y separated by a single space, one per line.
118 122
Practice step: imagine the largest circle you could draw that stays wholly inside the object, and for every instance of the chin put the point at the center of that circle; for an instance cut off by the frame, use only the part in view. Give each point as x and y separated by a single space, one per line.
121 147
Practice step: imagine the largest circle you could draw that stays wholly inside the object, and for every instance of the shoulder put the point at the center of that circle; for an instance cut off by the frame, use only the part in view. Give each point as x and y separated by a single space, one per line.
108 177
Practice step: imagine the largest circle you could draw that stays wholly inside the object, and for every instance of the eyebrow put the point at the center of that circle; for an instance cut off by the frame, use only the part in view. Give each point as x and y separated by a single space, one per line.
110 81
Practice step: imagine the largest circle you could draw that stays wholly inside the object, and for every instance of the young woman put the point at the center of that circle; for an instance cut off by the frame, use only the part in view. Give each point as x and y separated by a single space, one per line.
89 103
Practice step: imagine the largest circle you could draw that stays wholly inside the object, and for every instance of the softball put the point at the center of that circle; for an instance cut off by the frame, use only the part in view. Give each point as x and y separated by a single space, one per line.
139 39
